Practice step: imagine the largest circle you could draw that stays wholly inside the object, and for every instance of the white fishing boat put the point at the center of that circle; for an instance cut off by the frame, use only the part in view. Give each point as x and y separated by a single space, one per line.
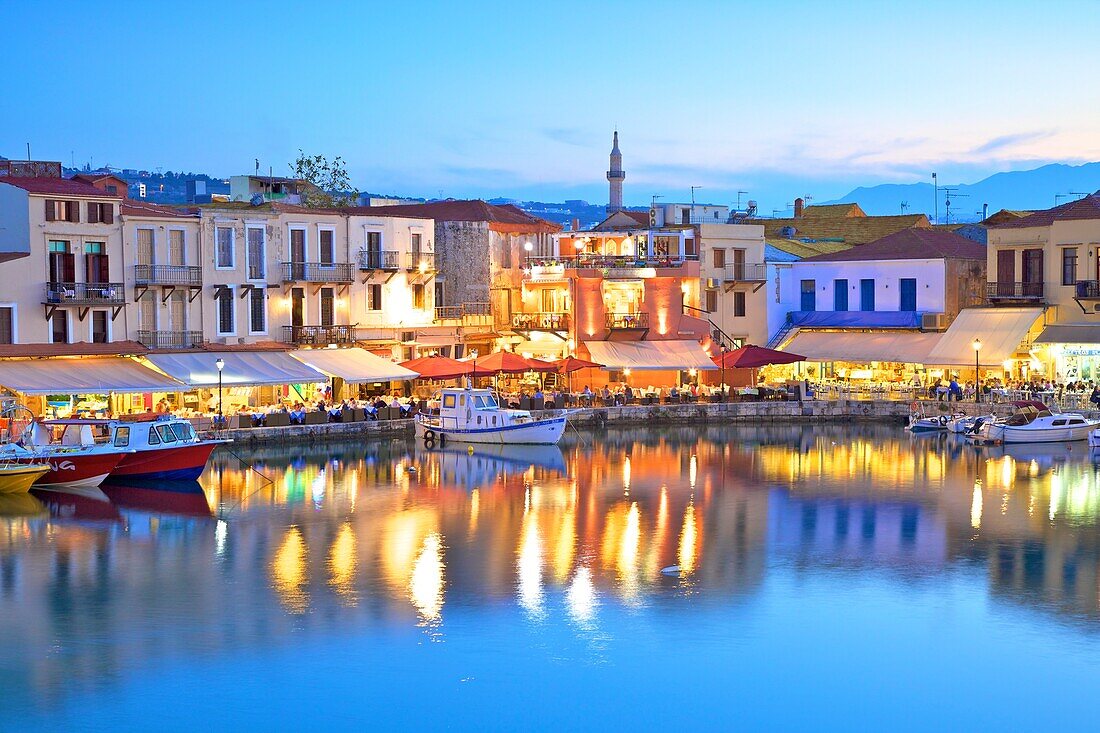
467 415
961 424
1035 423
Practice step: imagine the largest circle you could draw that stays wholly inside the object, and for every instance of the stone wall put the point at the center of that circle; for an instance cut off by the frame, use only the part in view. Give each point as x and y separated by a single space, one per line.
462 251
599 417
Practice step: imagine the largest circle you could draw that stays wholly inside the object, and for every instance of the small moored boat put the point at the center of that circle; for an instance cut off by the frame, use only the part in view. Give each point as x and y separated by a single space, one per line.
1034 422
467 415
16 478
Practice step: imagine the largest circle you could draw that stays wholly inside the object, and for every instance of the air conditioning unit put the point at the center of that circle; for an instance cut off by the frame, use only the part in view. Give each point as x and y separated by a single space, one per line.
933 322
713 282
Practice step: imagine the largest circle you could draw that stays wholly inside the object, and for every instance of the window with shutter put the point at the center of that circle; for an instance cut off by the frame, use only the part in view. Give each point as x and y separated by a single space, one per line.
176 254
107 213
418 297
51 210
7 325
147 311
93 212
145 250
327 306
257 268
328 247
223 237
257 313
73 211
225 312
374 297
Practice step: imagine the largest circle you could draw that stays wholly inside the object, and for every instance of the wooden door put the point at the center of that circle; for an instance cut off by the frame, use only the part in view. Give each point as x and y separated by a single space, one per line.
1006 272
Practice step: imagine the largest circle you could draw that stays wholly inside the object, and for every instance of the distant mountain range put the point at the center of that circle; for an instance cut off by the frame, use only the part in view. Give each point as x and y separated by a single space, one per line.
1033 189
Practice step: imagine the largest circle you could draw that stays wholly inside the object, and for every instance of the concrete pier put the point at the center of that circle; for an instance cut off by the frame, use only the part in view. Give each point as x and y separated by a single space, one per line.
599 417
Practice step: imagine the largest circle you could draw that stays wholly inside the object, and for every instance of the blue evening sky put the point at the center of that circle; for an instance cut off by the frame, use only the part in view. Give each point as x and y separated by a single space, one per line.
472 99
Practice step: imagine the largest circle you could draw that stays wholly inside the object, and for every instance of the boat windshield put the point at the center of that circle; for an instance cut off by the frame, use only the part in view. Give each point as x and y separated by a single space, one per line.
491 401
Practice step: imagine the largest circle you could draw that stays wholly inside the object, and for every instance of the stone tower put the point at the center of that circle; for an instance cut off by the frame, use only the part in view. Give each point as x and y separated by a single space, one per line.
615 177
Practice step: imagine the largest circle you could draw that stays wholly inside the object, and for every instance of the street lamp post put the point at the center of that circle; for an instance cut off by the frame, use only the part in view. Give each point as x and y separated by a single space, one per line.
220 364
977 346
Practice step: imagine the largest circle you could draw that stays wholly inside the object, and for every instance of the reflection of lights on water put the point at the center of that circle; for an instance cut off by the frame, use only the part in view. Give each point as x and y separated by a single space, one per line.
475 507
342 563
976 506
317 487
221 531
693 471
580 597
1008 471
626 475
1033 468
688 537
628 551
288 571
426 583
1055 496
529 568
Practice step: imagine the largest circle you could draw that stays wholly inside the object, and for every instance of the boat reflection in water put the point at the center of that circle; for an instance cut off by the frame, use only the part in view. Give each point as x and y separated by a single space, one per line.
567 544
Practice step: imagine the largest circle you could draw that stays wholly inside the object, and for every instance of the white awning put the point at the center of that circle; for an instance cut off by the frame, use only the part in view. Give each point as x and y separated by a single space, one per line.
649 355
253 368
1070 333
353 365
904 347
1001 331
86 375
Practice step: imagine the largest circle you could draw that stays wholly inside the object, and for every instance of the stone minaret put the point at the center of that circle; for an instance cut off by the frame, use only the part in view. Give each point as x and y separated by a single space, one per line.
615 177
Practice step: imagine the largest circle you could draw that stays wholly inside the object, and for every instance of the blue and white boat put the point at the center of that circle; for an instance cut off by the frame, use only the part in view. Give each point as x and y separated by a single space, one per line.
467 415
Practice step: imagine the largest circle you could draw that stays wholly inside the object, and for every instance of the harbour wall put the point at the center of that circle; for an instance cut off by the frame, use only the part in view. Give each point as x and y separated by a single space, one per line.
810 411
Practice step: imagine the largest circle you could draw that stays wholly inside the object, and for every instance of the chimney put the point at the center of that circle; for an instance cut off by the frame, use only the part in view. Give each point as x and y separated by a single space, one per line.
985 211
798 204
576 225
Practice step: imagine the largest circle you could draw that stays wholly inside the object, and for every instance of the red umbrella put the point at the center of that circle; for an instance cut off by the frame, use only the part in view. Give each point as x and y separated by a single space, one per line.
751 357
571 364
505 362
438 367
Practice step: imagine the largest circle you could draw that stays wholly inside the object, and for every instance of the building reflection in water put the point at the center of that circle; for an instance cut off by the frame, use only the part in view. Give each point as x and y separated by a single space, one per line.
391 533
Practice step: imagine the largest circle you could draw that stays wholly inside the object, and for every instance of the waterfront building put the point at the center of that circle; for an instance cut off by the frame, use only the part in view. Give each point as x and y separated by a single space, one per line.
879 310
63 261
479 265
1046 262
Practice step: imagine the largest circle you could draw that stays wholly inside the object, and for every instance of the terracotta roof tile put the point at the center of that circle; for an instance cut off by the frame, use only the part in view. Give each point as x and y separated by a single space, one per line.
81 348
60 186
9 256
148 209
910 244
471 210
1085 208
846 229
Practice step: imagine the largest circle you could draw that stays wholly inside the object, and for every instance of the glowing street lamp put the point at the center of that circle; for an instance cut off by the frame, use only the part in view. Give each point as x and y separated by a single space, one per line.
220 364
977 346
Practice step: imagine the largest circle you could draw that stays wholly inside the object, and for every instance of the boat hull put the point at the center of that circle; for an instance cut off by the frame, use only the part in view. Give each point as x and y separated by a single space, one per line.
173 463
1026 434
18 478
535 432
69 467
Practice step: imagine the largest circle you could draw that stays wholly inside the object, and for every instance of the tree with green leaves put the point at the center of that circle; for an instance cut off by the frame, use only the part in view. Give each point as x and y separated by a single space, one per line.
331 182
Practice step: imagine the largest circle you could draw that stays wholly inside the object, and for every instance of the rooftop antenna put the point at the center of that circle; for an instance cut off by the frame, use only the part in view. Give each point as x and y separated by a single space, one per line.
257 167
948 193
904 206
693 200
28 151
1067 195
739 195
935 200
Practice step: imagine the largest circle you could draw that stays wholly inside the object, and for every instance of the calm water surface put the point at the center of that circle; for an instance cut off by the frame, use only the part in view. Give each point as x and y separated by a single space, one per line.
832 579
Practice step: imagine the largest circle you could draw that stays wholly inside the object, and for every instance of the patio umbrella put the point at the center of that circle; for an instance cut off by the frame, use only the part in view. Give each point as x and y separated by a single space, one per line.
438 367
505 362
751 357
571 364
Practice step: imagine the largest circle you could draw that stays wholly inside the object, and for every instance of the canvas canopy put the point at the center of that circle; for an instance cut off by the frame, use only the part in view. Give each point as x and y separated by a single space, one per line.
354 365
650 355
86 375
242 368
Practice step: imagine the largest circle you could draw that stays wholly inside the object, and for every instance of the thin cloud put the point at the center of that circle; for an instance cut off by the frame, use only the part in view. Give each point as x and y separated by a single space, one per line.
1002 142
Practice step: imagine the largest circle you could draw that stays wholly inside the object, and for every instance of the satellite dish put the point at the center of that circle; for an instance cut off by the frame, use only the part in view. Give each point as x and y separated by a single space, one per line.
257 199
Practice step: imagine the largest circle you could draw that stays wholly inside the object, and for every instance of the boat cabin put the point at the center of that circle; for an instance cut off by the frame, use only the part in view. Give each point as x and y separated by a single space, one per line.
468 408
163 432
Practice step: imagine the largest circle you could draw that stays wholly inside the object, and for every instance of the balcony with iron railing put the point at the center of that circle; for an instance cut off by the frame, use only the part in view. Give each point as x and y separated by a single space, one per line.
422 261
627 321
740 272
85 294
540 321
378 259
319 335
466 313
1087 290
184 275
1014 292
170 339
592 260
318 272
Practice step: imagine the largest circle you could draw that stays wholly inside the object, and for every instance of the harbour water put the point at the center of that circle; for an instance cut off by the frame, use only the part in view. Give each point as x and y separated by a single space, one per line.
830 578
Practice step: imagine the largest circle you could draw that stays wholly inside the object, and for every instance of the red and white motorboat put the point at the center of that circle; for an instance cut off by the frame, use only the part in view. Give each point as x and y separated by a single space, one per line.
76 460
161 448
